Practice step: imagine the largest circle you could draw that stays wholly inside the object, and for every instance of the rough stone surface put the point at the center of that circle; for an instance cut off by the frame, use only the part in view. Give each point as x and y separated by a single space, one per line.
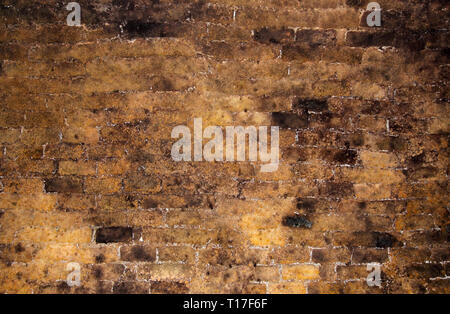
86 174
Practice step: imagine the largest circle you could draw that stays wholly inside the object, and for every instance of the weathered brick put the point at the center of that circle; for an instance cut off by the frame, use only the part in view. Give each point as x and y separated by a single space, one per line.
330 255
142 184
267 273
113 234
187 236
64 185
168 287
315 38
300 272
77 168
352 287
131 287
176 254
164 271
273 36
287 288
103 185
369 256
137 253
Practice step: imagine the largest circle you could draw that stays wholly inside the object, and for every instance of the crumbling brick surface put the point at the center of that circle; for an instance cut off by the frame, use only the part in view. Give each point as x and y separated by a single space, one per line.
86 174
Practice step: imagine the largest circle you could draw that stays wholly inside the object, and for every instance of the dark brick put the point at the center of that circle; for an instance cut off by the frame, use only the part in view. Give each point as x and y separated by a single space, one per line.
413 40
353 3
289 120
308 104
340 156
365 255
296 221
306 204
385 240
274 36
300 52
337 189
367 39
137 28
113 234
425 271
63 185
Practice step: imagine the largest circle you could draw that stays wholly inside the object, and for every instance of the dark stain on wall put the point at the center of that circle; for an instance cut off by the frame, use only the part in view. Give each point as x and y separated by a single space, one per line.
273 36
100 258
385 240
289 120
63 185
308 104
113 234
296 221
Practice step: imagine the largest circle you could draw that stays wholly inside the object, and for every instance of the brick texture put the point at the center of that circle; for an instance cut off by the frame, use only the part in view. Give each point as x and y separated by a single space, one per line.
86 174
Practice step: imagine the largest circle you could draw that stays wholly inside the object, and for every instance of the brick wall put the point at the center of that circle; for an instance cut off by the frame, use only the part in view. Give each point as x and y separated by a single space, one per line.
86 174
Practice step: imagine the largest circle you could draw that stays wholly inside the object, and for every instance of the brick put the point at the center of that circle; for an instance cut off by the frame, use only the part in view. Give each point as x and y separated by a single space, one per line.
169 287
77 168
164 271
287 288
103 185
75 202
352 272
51 235
174 201
273 36
267 274
113 234
369 256
138 253
64 151
315 38
22 185
186 236
118 167
330 255
217 278
354 287
289 120
371 176
177 254
425 271
338 189
414 222
367 239
410 255
143 184
40 201
80 135
130 287
97 272
372 191
291 255
300 272
74 253
64 185
227 257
